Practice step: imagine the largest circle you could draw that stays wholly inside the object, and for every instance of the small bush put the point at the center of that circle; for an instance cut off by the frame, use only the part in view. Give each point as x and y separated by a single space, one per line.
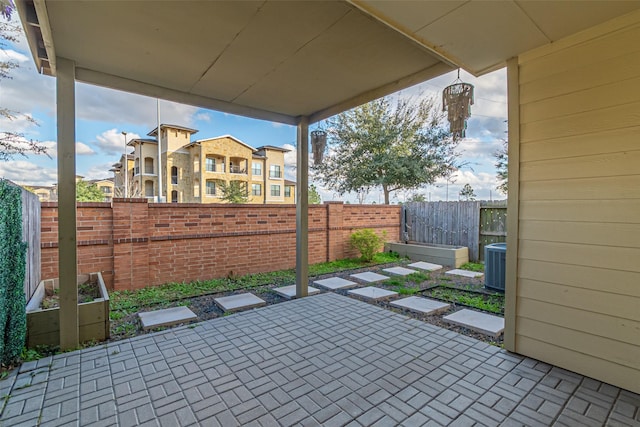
367 242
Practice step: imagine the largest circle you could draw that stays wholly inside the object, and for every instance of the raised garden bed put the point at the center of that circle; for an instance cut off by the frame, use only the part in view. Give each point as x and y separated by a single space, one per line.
43 312
445 255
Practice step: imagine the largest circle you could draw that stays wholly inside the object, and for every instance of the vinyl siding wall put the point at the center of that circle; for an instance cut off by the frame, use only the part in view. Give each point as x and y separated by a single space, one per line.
578 253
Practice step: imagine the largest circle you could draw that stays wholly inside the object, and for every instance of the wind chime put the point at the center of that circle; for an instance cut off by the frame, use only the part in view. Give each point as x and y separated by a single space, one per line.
457 100
318 144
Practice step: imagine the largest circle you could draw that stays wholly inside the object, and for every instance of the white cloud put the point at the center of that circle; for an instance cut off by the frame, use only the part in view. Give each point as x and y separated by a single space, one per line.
203 117
290 158
99 171
18 123
19 170
82 149
112 141
12 55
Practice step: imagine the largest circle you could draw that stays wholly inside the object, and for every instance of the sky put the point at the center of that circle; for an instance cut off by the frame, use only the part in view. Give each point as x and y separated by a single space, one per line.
103 114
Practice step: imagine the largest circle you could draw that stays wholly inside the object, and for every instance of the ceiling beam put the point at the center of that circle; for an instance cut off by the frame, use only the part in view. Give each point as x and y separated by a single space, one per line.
140 88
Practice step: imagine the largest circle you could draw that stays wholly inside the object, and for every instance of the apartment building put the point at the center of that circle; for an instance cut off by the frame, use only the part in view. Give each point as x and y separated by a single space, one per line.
49 193
195 171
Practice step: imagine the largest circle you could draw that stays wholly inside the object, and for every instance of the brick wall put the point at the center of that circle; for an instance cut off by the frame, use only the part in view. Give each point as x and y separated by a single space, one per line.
135 244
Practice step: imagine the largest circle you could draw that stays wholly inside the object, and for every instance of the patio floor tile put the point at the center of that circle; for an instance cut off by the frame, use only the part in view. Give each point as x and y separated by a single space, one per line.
166 317
372 293
476 321
464 273
427 266
239 302
289 292
399 271
326 360
369 277
421 305
334 283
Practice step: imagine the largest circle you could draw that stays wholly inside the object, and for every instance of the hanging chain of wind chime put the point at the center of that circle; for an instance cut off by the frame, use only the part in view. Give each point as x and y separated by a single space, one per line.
457 100
318 145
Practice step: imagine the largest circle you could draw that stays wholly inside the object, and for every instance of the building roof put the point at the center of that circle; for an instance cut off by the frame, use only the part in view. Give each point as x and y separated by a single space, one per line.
93 181
271 147
165 125
142 140
289 182
221 137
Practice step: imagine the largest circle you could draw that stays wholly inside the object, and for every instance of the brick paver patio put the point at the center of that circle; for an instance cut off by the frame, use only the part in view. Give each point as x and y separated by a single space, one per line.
324 360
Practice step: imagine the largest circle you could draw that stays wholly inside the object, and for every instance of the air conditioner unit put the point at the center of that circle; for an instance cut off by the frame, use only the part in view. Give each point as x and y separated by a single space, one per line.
495 266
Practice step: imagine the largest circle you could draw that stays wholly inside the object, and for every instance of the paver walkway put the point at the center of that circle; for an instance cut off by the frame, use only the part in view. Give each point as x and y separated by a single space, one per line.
323 360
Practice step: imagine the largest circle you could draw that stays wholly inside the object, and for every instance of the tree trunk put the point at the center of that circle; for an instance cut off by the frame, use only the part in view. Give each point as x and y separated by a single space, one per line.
385 189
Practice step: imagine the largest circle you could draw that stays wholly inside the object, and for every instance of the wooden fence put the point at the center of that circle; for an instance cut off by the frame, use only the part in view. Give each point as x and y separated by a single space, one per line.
470 224
493 224
31 235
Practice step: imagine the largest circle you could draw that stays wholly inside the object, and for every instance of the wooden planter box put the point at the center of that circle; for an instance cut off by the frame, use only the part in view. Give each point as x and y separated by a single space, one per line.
43 325
445 255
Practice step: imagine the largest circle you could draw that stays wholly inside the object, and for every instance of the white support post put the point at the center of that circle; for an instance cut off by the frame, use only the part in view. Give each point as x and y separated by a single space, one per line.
302 209
67 258
159 162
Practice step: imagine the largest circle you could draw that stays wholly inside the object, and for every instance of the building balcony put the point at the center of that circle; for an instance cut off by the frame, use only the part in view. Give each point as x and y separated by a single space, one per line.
238 169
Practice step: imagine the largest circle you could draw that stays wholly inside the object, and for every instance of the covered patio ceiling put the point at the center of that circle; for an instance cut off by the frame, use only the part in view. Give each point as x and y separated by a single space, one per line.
278 60
289 62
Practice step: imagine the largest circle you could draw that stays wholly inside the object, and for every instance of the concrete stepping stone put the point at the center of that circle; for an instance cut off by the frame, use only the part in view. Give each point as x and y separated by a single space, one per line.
465 273
372 293
421 305
334 283
479 322
289 292
239 302
399 271
369 277
166 317
427 266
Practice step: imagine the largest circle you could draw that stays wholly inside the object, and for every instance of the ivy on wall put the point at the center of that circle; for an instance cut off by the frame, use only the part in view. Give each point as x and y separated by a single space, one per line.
13 316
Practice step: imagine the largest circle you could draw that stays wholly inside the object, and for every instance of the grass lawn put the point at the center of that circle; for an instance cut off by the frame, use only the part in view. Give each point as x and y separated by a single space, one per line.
123 303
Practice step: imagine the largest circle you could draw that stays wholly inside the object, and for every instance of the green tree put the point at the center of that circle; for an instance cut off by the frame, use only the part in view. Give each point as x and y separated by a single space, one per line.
467 193
502 167
394 146
234 192
417 197
86 192
13 143
314 196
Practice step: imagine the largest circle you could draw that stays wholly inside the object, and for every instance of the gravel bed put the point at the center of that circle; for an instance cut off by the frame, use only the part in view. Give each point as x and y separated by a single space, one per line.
205 308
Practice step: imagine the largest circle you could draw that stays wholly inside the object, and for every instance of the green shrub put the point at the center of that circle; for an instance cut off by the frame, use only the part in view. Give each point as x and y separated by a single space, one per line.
13 316
367 242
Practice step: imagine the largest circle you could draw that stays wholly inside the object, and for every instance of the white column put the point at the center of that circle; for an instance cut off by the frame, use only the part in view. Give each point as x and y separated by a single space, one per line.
302 209
67 259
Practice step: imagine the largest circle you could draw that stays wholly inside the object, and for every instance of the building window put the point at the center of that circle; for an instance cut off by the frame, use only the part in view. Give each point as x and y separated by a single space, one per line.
174 196
196 163
174 175
256 189
105 189
148 165
211 188
196 188
211 164
275 190
148 188
287 191
256 169
136 166
274 171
